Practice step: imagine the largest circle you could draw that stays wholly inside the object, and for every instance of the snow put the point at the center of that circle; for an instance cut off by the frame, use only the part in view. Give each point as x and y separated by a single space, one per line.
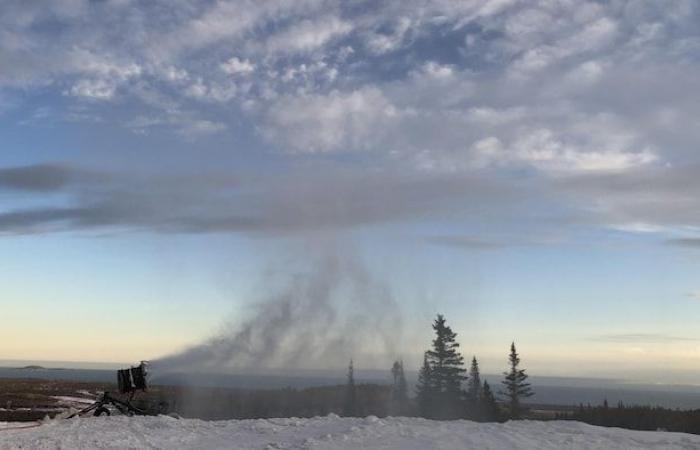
68 400
331 432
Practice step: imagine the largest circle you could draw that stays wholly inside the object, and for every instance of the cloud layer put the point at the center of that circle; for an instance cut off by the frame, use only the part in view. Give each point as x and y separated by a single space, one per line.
409 108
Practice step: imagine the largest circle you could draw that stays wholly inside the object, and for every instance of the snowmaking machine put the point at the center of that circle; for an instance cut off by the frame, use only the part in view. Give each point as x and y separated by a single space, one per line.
129 382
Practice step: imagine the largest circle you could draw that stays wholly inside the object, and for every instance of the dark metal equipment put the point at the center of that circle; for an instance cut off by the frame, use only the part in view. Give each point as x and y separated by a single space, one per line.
132 379
129 381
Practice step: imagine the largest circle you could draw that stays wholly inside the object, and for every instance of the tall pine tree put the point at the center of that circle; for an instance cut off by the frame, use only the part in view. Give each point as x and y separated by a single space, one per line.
515 385
474 383
424 389
473 394
488 408
446 371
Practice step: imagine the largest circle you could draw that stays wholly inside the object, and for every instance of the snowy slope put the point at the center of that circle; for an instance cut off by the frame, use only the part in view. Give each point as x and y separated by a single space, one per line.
331 432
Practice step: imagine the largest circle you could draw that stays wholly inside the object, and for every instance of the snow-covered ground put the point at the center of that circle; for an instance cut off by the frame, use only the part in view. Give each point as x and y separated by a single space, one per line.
330 432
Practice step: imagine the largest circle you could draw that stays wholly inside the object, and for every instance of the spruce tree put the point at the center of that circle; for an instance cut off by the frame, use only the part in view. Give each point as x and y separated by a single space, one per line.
350 408
424 389
474 383
489 410
473 394
447 371
516 386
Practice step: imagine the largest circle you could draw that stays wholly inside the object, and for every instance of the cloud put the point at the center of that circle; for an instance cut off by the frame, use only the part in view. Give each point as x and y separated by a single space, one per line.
647 338
40 177
307 35
381 43
186 123
574 97
321 123
541 148
334 197
684 242
304 200
661 198
694 294
497 239
466 242
97 89
235 66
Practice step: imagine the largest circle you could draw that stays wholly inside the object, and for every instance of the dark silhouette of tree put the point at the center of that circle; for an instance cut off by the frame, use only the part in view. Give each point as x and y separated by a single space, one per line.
474 383
515 385
447 371
399 392
473 394
488 408
350 408
424 389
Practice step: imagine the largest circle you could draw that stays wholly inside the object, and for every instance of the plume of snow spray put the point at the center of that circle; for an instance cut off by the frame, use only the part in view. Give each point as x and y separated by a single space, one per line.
318 319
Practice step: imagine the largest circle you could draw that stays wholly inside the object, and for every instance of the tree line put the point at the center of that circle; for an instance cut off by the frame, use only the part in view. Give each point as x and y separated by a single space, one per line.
637 417
446 391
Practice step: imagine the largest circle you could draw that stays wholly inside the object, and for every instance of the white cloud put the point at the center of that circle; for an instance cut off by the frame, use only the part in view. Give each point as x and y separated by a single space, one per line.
437 71
211 92
100 76
223 21
95 89
637 227
201 126
493 117
548 35
379 43
235 66
175 74
338 121
308 35
568 89
543 149
185 123
586 73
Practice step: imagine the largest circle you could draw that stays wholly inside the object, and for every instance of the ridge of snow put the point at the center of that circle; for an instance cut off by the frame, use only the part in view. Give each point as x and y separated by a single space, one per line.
331 432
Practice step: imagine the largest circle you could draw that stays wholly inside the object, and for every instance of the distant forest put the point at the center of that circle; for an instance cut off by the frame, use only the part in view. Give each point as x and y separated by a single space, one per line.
637 417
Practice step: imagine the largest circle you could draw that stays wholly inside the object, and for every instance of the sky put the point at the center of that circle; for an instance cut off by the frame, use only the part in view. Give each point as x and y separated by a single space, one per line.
529 169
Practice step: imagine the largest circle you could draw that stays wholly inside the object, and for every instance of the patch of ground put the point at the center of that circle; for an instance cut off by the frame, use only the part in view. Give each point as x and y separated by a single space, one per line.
33 399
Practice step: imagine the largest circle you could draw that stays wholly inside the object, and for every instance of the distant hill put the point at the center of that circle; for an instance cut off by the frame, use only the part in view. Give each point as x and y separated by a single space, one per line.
32 367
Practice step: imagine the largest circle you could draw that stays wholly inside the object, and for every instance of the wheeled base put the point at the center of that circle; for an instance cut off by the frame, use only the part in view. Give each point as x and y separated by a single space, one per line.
100 407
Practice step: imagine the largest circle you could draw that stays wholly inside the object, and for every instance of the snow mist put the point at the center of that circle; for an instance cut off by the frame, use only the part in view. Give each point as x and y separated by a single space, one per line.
318 318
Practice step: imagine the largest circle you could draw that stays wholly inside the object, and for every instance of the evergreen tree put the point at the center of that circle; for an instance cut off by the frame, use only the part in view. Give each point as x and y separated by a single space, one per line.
473 394
424 389
350 408
474 383
447 371
516 386
399 391
490 412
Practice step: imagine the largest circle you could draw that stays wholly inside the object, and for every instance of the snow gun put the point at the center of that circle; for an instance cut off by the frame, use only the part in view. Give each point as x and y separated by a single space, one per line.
129 381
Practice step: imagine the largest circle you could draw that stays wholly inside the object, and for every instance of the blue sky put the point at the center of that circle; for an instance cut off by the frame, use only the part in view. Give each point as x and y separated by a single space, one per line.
529 169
